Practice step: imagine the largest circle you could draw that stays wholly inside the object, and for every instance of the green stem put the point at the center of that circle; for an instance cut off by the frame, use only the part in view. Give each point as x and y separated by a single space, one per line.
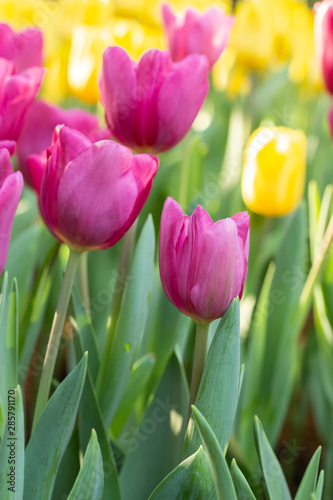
55 335
317 265
84 281
124 262
200 349
185 168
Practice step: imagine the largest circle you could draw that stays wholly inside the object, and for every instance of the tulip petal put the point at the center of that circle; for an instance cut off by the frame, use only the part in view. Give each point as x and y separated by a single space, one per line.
178 102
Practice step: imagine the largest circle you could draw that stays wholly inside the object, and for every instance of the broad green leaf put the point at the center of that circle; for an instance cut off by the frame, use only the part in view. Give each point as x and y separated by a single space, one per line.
320 486
242 487
218 391
224 486
12 449
82 323
141 372
309 480
90 418
68 469
188 480
275 481
54 429
89 482
131 322
155 448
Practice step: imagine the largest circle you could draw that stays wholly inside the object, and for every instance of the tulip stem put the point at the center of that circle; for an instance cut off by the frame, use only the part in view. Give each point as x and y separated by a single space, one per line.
84 281
124 262
55 335
200 349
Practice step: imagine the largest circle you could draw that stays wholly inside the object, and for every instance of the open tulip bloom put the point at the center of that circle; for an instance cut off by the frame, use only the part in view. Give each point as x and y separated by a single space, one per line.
324 40
151 105
11 185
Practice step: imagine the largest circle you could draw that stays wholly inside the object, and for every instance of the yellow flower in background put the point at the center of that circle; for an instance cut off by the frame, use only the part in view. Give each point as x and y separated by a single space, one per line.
274 170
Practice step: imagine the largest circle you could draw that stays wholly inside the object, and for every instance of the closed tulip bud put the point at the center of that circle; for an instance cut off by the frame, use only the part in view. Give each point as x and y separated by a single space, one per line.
151 105
90 194
40 123
203 265
274 170
323 31
193 32
17 93
11 185
24 49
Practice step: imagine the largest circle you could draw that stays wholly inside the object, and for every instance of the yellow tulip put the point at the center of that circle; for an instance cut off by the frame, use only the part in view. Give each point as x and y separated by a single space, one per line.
274 170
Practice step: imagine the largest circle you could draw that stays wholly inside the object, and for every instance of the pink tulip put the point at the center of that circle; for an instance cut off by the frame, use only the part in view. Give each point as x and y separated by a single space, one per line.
323 30
203 266
151 105
194 32
40 123
24 49
11 185
17 93
90 193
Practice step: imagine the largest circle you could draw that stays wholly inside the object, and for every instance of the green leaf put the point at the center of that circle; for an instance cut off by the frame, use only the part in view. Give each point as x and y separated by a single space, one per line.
140 375
275 481
187 481
218 391
242 487
225 489
131 322
308 483
12 449
156 447
54 429
90 418
320 486
68 469
89 482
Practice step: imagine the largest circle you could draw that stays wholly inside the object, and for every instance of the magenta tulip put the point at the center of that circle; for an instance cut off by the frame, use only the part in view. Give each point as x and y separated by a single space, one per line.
323 29
194 32
151 105
40 123
203 265
24 49
11 185
17 93
90 193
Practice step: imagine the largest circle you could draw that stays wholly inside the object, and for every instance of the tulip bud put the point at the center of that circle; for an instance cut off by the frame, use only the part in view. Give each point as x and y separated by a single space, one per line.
203 265
323 31
90 194
24 49
151 105
17 93
274 170
41 120
197 33
11 185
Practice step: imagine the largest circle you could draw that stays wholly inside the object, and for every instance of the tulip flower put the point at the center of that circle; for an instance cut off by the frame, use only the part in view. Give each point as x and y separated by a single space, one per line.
274 170
151 105
40 123
193 32
323 31
24 49
90 193
203 265
17 93
11 185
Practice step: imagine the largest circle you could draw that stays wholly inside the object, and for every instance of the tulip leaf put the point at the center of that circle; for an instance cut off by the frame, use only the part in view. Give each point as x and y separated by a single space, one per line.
276 483
142 370
131 322
68 469
89 482
54 429
156 447
242 487
320 486
218 390
187 480
90 417
309 480
224 486
12 449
